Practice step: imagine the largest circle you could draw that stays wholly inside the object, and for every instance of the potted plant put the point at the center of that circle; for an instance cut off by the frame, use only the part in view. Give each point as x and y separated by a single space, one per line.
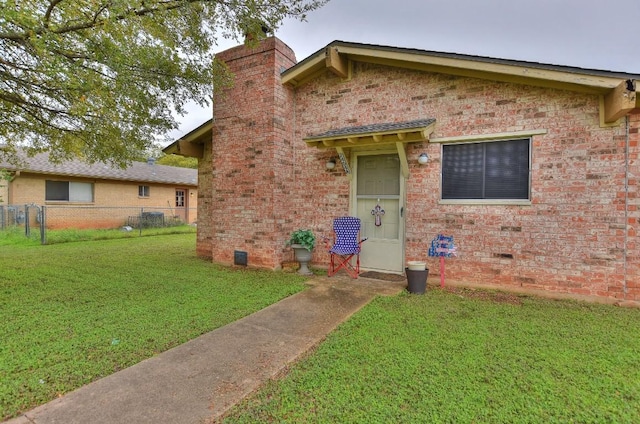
302 242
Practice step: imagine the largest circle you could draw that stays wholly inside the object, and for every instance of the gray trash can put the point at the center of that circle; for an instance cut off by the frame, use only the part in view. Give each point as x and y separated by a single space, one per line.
417 280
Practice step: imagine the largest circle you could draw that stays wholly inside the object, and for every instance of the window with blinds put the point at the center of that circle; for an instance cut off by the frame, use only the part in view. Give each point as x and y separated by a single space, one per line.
496 170
68 191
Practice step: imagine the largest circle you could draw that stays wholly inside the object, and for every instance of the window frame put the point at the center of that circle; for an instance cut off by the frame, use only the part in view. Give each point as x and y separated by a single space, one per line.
180 201
489 201
144 191
69 195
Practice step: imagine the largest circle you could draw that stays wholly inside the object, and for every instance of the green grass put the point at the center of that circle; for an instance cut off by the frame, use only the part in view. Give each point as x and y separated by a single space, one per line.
450 358
71 235
15 236
75 312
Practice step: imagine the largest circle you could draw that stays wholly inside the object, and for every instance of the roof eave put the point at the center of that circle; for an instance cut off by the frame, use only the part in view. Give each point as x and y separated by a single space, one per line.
106 178
410 134
452 63
338 56
192 143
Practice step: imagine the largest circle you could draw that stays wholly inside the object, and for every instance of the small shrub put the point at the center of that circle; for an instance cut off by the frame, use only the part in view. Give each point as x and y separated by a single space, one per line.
303 237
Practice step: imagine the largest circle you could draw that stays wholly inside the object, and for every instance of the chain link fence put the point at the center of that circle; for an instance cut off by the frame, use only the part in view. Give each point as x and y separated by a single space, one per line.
43 219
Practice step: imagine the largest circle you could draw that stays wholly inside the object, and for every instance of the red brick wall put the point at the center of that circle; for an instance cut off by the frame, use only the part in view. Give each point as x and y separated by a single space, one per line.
205 211
252 158
578 236
571 239
633 210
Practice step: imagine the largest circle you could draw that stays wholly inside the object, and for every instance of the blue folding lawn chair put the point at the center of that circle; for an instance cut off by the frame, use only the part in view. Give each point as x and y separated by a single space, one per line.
346 246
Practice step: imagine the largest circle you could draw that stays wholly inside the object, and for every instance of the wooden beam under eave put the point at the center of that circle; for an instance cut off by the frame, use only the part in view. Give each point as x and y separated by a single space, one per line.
304 71
190 150
337 63
619 101
426 133
344 161
509 72
404 164
368 140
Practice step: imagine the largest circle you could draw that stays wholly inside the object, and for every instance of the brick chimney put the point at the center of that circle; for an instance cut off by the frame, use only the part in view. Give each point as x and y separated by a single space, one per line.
247 172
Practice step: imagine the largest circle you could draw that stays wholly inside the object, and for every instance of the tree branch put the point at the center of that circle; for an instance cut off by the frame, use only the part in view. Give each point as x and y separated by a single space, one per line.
163 7
47 15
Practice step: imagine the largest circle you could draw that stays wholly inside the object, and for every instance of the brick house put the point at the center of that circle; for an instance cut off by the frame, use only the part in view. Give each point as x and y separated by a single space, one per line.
82 195
532 168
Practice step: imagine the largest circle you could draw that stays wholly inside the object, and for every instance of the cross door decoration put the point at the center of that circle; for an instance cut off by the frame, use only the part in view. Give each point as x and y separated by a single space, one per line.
378 212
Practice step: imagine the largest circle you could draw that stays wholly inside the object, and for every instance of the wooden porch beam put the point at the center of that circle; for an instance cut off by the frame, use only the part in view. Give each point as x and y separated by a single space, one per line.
404 164
337 63
368 140
619 101
344 161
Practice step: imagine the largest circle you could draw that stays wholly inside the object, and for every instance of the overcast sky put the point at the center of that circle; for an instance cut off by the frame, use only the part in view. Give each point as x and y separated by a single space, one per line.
596 34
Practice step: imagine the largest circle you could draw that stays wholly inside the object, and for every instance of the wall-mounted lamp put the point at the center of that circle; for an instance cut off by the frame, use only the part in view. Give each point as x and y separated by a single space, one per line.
331 163
423 158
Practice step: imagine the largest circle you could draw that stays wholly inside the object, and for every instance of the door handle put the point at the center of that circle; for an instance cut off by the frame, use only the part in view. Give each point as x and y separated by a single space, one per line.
401 211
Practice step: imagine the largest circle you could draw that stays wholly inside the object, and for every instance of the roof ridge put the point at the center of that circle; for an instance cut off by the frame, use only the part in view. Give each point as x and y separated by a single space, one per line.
76 167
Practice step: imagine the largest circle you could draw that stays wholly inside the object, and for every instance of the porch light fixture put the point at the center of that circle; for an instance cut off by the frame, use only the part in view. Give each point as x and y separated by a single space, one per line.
423 158
331 163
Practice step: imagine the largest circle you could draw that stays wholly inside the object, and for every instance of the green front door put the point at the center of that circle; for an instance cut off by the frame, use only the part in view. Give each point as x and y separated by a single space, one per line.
379 203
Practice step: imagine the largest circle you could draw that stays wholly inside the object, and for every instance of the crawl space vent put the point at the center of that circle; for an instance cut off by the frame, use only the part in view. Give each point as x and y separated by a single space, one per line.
239 258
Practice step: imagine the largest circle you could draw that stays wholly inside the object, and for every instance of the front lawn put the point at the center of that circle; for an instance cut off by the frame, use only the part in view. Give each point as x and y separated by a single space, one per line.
464 357
75 312
15 235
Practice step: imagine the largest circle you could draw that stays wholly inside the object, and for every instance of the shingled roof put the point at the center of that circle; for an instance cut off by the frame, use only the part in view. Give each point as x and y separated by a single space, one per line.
374 128
136 172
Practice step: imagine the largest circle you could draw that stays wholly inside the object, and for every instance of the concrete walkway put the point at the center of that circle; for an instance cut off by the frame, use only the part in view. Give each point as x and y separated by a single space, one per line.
200 380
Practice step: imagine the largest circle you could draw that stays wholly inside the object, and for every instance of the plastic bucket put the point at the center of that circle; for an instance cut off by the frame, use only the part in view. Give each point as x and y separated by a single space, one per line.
417 280
416 265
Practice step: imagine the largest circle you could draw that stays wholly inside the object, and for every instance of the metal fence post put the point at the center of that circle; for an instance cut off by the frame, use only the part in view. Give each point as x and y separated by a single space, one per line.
140 220
2 224
27 227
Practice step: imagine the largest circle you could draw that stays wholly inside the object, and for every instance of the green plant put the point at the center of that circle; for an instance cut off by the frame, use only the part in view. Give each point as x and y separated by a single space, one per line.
15 236
303 237
463 356
76 312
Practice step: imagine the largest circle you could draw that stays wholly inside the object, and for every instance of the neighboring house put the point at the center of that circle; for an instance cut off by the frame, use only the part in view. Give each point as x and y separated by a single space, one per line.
4 190
82 195
532 168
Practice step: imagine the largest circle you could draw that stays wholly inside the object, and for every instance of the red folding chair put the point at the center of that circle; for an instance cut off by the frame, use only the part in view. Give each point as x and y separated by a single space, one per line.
346 246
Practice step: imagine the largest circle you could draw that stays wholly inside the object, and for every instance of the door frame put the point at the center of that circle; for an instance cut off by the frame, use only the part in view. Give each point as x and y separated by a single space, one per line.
402 202
185 208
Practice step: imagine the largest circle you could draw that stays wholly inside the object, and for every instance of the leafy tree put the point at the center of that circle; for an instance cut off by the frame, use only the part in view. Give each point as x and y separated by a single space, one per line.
161 158
176 160
99 79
